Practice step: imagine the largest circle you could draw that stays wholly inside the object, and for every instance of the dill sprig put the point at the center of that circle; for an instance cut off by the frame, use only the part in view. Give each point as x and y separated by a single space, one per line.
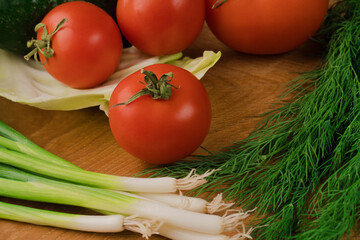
298 144
335 206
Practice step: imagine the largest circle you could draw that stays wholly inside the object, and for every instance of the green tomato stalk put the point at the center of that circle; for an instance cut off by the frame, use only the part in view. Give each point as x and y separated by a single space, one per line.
156 88
218 3
44 44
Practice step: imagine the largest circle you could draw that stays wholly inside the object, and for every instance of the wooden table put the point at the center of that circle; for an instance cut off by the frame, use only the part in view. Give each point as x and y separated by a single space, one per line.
240 87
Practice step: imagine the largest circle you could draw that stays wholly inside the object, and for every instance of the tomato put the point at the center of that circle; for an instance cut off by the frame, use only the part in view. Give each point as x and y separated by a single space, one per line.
161 27
87 48
161 131
265 26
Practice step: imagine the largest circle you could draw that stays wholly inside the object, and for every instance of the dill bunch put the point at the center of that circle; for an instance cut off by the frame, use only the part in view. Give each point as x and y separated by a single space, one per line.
296 146
335 205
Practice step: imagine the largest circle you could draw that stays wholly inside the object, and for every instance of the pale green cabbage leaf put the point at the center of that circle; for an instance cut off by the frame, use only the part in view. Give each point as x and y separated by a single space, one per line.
28 83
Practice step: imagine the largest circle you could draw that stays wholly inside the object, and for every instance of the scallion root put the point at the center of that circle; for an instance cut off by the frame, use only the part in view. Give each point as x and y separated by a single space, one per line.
235 219
146 227
218 205
243 235
193 180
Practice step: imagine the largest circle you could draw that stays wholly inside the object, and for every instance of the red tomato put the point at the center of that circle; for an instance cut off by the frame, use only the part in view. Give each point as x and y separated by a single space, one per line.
160 27
265 26
88 46
161 131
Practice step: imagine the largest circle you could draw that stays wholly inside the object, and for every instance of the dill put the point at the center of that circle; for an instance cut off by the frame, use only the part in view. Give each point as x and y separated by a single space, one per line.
335 205
307 146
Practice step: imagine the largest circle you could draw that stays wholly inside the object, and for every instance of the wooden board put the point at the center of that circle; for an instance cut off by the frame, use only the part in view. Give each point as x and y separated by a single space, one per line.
240 87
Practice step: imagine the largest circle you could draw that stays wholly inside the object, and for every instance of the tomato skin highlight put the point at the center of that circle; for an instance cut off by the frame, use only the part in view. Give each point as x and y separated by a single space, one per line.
161 27
265 26
88 47
161 131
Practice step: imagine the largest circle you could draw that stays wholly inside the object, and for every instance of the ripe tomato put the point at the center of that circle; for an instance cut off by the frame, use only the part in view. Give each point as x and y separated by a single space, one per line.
161 131
160 27
87 48
265 26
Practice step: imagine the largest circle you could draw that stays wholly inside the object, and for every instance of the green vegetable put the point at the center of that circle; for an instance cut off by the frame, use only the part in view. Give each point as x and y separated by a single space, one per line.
20 152
337 199
159 185
37 177
13 140
299 145
19 17
16 183
93 223
28 82
18 143
190 203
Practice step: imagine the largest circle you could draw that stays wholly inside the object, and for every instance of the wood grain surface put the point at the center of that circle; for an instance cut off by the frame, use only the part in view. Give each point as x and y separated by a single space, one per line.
240 87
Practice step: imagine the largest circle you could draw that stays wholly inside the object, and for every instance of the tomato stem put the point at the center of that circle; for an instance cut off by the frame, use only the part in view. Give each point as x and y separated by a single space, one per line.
156 88
218 3
43 45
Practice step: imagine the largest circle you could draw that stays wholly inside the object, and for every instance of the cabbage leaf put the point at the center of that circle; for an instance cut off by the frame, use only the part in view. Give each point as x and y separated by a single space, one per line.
27 82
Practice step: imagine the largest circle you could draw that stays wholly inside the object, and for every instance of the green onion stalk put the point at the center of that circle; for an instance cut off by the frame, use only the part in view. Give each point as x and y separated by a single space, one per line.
307 140
16 183
20 152
89 223
147 206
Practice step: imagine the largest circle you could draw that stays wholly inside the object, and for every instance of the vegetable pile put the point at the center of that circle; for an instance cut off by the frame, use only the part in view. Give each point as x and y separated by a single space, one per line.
299 167
80 44
145 205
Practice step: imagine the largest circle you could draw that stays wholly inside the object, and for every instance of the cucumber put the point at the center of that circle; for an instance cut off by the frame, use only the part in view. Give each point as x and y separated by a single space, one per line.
19 17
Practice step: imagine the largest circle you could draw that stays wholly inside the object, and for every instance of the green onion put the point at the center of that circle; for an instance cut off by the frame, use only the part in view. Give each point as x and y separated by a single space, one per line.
16 183
190 203
77 175
31 173
109 223
12 139
19 151
17 142
90 223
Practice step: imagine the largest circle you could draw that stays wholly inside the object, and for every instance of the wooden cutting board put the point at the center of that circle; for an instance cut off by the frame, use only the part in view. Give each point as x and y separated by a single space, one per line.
240 87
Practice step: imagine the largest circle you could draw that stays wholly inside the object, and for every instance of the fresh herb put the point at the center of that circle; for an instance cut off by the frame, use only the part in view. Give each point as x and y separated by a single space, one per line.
336 202
299 145
29 172
89 223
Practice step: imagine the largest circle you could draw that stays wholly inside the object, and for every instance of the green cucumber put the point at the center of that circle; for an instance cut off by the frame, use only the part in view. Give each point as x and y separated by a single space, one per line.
19 17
